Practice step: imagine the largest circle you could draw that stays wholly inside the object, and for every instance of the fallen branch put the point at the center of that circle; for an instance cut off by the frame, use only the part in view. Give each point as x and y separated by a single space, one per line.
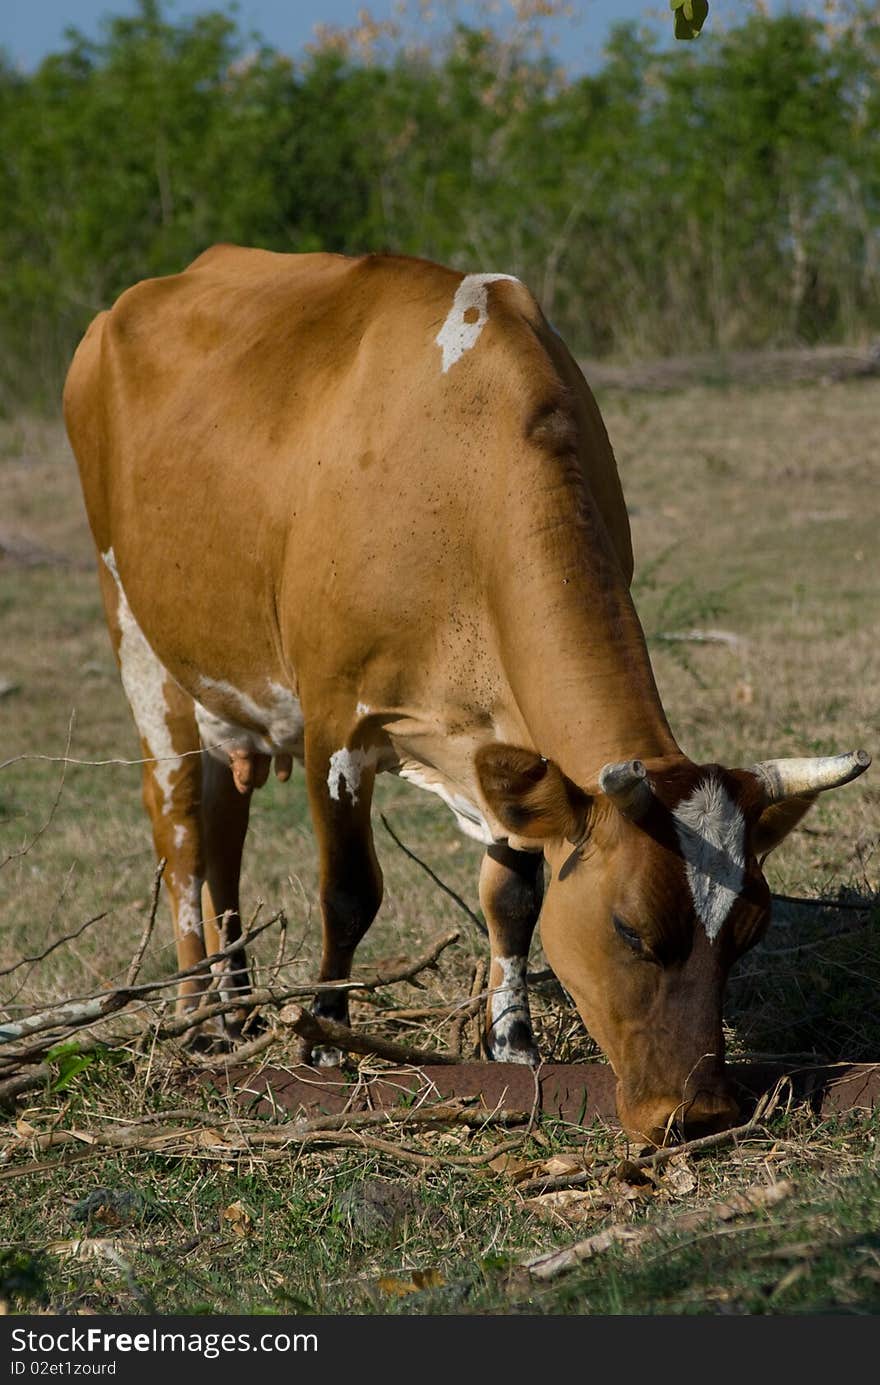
324 1031
764 1108
760 1197
862 905
73 1014
274 1142
266 996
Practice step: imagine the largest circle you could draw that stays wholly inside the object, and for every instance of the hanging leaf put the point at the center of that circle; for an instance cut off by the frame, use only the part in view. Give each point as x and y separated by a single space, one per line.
690 16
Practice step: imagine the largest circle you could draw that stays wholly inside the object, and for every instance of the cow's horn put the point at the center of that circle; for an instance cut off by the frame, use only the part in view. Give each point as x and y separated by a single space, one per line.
793 778
626 784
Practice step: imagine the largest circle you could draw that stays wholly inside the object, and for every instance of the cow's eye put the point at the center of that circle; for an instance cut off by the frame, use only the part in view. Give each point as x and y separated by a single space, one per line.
629 935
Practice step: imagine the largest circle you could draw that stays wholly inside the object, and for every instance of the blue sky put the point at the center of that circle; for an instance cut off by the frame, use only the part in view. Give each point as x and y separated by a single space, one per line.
32 28
29 29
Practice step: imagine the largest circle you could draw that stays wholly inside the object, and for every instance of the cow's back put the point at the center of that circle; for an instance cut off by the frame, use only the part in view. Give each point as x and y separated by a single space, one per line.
270 433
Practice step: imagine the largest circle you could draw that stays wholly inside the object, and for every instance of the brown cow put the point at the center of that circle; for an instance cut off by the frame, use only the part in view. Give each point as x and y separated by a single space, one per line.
364 513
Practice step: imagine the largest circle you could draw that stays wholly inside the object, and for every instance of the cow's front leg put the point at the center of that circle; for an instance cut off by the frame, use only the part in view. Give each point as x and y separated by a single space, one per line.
511 891
340 783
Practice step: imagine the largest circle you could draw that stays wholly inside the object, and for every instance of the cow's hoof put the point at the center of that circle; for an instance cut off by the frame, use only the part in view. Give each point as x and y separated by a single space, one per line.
501 1051
325 1056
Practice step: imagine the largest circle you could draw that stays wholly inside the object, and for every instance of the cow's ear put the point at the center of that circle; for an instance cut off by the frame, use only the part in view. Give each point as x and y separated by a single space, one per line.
530 796
775 822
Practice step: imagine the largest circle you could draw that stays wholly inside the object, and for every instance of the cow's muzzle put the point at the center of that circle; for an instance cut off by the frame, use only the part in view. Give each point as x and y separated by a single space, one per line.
701 1106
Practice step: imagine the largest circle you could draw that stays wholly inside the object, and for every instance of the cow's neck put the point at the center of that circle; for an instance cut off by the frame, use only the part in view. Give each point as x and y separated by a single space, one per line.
573 650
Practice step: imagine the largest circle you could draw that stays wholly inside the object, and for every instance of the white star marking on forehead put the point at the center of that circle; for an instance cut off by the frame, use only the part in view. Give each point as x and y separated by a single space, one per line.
711 832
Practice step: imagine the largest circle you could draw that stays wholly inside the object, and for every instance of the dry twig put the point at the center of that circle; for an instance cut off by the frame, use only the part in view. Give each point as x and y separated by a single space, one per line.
324 1031
447 889
137 959
759 1197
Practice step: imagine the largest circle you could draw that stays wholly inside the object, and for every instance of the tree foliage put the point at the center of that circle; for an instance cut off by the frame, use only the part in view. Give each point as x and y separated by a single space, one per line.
696 197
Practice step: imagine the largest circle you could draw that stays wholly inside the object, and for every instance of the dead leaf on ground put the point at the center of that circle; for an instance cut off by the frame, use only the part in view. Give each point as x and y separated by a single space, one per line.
574 1204
207 1138
513 1168
679 1178
560 1164
239 1219
414 1283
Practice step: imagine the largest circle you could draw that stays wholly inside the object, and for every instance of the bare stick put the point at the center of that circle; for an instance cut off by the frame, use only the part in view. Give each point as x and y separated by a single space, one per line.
14 1087
763 1109
252 1000
553 1183
137 959
257 1144
178 1025
438 1114
59 942
862 906
275 969
74 1014
324 1031
760 1196
474 918
87 1009
242 1054
473 1006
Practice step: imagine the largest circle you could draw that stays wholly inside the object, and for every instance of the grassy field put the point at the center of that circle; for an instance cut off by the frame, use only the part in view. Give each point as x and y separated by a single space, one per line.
755 515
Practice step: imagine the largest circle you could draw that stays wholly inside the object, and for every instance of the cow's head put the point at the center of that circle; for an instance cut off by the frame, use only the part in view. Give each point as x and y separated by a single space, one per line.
656 889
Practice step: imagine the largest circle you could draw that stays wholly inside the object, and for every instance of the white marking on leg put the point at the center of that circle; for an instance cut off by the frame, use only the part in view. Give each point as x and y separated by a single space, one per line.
711 833
143 678
362 709
347 767
179 835
509 1010
458 334
189 906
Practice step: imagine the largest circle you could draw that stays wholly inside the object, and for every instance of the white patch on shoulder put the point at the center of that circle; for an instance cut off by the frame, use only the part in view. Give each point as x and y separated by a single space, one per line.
468 817
457 335
143 678
347 767
362 709
711 833
179 835
278 716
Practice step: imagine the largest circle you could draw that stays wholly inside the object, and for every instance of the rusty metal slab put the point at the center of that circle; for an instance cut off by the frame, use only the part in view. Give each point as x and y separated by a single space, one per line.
578 1093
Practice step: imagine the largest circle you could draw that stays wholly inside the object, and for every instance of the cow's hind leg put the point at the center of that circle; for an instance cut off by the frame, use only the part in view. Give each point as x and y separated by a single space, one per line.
225 812
165 719
511 891
340 785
